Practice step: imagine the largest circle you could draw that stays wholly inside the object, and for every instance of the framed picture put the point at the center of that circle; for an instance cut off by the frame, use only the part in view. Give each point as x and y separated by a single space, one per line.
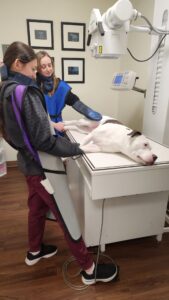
40 34
73 70
4 47
73 36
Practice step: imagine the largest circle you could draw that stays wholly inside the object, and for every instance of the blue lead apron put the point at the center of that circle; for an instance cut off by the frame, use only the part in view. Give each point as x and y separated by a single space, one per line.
56 102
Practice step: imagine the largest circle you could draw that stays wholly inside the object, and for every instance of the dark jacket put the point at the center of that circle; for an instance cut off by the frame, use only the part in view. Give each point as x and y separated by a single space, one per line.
38 129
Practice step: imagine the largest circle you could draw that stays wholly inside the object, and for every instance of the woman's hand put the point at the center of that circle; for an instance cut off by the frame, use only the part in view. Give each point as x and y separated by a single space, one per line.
59 126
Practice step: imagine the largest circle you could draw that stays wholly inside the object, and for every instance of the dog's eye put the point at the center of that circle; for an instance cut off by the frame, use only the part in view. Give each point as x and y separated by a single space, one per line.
145 144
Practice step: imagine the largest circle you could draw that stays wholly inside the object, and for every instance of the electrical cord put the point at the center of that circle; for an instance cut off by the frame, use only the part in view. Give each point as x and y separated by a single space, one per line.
98 248
144 60
157 31
153 28
67 278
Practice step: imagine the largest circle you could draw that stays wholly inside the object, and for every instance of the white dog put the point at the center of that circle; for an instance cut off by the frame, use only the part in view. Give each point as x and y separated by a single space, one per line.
109 135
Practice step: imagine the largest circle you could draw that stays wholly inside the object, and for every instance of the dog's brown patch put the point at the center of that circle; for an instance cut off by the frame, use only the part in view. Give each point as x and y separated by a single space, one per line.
134 133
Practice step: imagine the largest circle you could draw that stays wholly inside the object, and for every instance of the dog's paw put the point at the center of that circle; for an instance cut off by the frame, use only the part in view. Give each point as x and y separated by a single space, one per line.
90 148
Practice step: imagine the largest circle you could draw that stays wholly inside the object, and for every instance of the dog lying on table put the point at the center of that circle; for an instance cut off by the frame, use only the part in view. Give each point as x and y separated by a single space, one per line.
109 135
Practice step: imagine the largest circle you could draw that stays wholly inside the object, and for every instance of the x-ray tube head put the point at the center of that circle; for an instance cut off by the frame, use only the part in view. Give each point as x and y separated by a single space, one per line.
111 45
118 14
108 33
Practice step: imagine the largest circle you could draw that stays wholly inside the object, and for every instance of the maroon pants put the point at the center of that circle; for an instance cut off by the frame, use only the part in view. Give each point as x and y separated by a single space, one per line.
39 203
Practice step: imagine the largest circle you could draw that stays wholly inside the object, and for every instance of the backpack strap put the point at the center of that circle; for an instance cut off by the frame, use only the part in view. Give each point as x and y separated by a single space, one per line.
3 86
17 100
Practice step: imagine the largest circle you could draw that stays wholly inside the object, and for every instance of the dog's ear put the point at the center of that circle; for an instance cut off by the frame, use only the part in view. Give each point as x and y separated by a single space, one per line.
134 133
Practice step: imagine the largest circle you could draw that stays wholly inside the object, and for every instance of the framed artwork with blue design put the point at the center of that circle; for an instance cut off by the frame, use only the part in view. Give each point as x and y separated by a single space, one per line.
40 34
4 47
73 36
73 70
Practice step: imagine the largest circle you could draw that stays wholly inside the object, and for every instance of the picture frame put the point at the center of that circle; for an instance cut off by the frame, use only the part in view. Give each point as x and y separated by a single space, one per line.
73 36
40 34
73 70
4 47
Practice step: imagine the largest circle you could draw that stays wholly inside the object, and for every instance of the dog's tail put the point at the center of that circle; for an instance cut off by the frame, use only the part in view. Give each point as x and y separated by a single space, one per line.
87 139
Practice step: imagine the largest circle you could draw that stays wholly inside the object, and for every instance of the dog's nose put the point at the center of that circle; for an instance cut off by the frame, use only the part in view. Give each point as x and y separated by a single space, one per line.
154 157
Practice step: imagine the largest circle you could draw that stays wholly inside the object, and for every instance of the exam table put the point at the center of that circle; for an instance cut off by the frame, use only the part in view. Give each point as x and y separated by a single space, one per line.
135 197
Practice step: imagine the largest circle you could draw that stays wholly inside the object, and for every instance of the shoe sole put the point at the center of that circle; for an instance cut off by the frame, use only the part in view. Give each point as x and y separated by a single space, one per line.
112 278
33 262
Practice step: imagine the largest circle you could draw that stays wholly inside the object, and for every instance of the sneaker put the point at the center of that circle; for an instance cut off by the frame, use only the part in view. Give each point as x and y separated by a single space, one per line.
46 252
105 273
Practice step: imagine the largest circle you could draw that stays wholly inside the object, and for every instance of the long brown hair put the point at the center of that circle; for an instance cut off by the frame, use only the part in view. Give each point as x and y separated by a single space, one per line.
18 50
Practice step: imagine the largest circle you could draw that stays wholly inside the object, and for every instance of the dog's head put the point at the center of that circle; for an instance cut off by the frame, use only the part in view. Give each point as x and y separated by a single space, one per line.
140 149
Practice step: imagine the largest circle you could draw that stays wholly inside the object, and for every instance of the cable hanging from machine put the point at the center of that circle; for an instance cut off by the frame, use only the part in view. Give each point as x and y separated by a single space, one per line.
153 28
157 31
144 60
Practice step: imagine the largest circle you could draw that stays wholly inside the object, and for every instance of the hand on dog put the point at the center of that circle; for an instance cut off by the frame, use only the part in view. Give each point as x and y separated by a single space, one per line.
59 126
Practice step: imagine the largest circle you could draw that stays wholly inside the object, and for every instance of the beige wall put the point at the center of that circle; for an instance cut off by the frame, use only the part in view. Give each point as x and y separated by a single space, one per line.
131 104
95 92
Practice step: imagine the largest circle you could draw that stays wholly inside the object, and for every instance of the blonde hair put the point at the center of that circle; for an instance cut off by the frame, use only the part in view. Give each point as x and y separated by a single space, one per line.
39 56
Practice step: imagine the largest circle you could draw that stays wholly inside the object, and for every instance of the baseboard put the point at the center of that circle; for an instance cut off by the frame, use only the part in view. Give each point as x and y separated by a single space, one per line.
11 163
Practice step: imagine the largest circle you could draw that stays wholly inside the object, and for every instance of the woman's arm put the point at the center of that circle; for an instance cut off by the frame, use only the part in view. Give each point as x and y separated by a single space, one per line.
39 132
82 108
